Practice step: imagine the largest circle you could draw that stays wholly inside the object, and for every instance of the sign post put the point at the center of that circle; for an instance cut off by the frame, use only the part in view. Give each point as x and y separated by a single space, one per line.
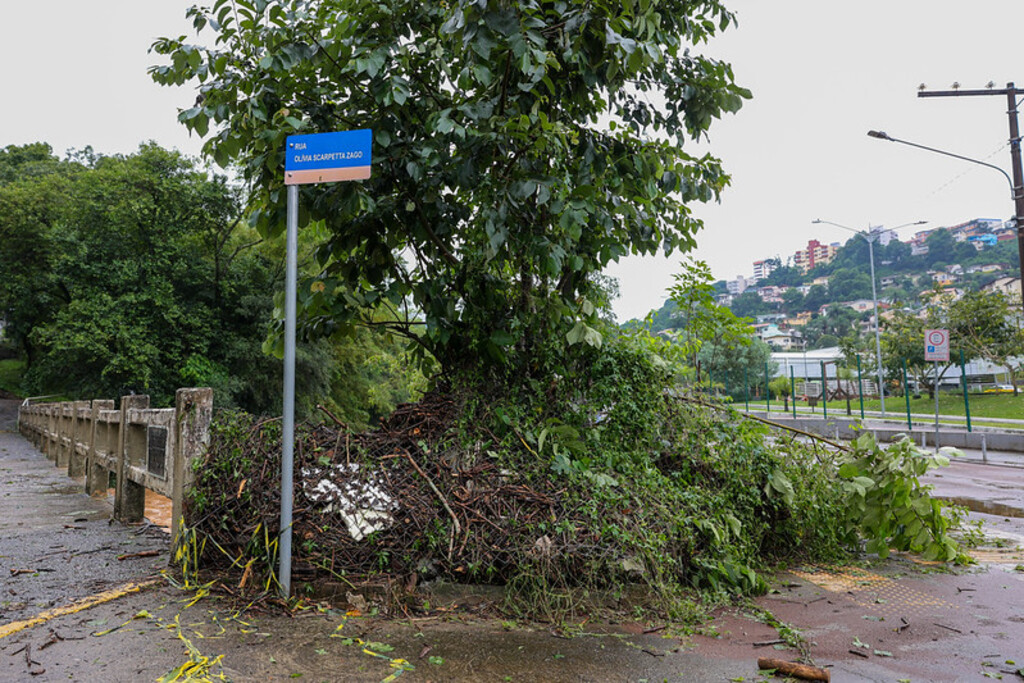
936 349
316 158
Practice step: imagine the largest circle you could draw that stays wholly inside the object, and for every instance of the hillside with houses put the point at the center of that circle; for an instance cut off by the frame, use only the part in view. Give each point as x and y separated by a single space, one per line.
822 293
816 308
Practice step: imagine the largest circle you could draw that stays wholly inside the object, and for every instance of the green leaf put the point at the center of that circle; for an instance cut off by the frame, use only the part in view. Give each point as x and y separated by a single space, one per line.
577 334
848 470
502 338
781 484
864 482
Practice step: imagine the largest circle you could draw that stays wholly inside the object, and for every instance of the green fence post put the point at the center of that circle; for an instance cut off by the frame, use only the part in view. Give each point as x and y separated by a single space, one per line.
963 380
792 389
727 385
860 388
746 388
824 391
906 393
767 393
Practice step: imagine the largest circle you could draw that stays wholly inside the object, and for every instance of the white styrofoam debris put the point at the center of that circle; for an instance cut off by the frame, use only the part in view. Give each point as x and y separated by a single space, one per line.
361 501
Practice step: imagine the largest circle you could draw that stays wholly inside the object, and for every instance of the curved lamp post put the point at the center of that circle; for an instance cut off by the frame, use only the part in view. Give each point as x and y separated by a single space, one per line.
870 235
1016 189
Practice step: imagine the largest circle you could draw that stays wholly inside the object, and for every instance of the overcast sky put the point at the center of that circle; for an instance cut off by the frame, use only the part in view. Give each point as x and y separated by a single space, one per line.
822 74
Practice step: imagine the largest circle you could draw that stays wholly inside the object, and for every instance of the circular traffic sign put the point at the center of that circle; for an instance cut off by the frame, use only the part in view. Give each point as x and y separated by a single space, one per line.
937 337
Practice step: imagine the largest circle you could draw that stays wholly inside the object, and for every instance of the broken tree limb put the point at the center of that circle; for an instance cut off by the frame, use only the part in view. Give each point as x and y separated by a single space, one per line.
770 423
765 643
808 673
144 553
444 502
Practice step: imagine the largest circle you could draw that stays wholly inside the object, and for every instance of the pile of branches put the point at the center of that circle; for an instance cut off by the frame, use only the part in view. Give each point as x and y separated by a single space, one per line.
403 501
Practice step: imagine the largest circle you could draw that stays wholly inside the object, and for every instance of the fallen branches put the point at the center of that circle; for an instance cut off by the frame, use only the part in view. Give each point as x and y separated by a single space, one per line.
391 486
144 553
770 423
808 673
457 531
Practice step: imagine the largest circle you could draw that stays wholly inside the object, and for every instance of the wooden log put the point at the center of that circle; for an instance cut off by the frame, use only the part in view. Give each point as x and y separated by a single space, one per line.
808 673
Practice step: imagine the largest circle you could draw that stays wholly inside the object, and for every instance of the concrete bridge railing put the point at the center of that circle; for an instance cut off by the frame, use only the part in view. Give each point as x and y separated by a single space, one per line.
142 447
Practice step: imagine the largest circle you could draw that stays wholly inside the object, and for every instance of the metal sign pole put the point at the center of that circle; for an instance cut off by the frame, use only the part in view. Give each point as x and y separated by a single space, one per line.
792 389
824 391
309 159
963 380
936 406
860 388
936 348
906 394
288 422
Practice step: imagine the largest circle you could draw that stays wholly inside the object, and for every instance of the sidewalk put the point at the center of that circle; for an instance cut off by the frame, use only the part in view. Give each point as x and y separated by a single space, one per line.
901 619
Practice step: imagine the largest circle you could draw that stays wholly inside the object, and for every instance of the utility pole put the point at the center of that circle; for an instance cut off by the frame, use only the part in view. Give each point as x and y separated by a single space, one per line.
1010 91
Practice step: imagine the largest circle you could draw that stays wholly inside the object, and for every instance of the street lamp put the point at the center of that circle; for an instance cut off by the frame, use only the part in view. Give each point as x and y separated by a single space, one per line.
1016 189
870 235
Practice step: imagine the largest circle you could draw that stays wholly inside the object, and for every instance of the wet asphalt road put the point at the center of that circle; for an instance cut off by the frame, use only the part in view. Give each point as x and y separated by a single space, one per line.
885 621
56 543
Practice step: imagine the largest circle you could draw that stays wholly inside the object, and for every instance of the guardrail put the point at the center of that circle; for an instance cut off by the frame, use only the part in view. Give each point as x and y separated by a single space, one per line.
843 427
142 447
918 420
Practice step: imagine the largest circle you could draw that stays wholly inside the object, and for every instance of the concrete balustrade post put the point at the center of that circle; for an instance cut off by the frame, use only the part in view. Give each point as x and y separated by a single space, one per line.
65 433
129 496
51 439
81 433
97 477
193 413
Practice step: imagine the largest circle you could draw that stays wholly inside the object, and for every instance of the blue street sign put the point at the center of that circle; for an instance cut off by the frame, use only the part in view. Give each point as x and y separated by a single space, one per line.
328 157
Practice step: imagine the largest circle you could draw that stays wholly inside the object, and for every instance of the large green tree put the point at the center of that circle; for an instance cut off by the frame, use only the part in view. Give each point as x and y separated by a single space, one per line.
983 324
519 147
847 284
783 276
33 196
749 304
837 321
133 273
989 327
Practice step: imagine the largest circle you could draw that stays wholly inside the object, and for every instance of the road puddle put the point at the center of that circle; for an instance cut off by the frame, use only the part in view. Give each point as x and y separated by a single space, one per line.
158 510
986 506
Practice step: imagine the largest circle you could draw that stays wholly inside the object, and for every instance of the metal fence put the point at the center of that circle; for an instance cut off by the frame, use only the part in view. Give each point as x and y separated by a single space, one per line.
760 388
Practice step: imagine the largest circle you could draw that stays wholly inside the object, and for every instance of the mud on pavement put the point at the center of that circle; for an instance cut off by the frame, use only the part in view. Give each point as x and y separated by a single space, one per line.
925 630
